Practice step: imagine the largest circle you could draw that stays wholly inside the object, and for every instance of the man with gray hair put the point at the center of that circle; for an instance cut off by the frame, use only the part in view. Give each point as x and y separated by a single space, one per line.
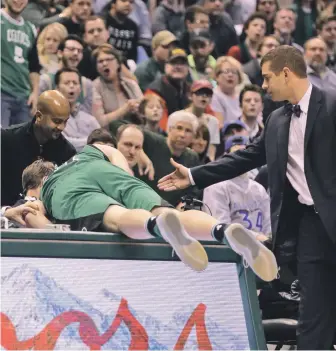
182 126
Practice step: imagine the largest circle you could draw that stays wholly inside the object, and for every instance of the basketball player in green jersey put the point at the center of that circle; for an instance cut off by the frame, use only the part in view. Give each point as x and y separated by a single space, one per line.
19 65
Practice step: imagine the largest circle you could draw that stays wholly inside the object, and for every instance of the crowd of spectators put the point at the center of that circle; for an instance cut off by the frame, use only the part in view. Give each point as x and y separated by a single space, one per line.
167 79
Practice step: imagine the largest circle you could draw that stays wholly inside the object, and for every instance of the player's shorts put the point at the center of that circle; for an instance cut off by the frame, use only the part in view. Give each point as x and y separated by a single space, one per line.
85 209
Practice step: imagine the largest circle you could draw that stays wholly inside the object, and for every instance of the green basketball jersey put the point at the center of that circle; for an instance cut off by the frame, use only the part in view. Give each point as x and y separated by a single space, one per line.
17 39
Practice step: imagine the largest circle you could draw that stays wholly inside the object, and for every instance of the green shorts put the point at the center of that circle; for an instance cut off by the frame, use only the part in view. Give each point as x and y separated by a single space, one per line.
87 195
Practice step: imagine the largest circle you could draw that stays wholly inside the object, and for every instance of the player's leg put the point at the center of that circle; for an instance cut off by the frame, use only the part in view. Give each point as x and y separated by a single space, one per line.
140 224
202 226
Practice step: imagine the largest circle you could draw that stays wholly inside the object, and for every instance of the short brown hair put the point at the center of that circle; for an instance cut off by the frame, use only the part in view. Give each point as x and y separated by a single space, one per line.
102 136
122 128
33 175
286 56
191 11
94 18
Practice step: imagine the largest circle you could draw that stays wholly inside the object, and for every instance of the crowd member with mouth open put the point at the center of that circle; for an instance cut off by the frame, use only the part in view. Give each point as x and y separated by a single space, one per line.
115 96
80 124
201 94
225 100
70 54
254 29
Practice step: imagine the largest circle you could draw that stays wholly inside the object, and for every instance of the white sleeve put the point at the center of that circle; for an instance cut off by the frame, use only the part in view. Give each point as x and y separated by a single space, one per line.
216 197
266 211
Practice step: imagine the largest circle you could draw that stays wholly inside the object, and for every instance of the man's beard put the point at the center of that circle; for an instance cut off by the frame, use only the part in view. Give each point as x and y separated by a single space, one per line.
200 62
317 66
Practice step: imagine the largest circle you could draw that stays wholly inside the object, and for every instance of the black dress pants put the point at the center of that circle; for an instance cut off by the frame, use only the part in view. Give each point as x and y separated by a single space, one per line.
316 256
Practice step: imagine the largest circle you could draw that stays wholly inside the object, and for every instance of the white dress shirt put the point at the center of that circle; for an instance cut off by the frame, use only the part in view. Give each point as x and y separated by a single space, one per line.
295 165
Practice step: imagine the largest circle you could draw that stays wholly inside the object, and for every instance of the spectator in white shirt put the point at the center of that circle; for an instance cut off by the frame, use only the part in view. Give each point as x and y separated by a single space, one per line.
241 199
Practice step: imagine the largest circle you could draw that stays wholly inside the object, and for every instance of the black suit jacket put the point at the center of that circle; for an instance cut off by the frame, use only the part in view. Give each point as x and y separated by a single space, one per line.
272 148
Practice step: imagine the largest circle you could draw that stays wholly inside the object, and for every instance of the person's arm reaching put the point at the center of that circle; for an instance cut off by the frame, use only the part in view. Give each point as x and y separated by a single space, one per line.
228 167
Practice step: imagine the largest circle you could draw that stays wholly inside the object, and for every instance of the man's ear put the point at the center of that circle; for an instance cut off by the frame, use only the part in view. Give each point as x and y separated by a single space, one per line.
38 116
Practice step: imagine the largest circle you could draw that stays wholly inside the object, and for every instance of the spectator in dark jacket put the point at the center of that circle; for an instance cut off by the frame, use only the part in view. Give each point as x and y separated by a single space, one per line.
23 144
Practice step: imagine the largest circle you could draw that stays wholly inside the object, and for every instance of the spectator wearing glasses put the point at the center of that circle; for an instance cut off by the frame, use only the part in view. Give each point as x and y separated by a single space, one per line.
225 99
201 94
254 29
252 68
115 96
70 53
201 63
196 19
326 28
269 8
221 26
147 71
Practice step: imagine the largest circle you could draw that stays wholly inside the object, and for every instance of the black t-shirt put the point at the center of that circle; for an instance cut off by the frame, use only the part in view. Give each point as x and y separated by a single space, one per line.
123 36
87 67
71 26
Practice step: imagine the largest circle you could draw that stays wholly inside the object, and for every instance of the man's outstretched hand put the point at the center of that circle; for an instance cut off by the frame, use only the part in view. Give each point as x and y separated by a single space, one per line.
179 179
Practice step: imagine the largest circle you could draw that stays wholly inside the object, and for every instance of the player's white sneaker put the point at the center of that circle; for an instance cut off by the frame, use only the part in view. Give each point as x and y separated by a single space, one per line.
258 256
188 249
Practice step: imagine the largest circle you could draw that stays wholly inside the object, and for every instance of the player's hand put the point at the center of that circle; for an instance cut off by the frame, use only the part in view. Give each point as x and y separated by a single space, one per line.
32 102
261 237
145 166
18 213
179 179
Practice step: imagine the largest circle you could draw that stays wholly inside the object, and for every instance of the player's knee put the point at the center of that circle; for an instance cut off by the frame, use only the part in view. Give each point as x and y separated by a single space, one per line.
156 211
112 218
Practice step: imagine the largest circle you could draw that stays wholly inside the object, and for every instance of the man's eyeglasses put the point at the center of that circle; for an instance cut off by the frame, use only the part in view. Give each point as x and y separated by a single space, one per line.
198 45
203 92
267 2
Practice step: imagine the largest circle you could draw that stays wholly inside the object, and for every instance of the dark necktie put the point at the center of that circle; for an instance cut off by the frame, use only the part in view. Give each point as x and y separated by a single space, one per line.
292 109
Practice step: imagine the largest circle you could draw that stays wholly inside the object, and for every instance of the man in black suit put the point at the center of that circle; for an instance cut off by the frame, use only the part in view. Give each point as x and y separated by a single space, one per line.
298 145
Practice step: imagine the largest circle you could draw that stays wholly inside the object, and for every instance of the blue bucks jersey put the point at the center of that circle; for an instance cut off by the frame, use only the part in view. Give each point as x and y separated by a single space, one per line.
240 200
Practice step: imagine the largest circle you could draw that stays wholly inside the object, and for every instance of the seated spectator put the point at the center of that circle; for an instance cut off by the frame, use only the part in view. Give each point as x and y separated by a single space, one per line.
237 128
196 18
130 139
269 8
201 94
70 53
201 143
40 138
169 16
47 46
284 27
241 199
20 66
151 109
225 98
124 33
80 11
201 45
251 103
327 31
254 30
151 69
172 86
222 30
115 96
252 68
95 34
182 128
318 73
80 124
